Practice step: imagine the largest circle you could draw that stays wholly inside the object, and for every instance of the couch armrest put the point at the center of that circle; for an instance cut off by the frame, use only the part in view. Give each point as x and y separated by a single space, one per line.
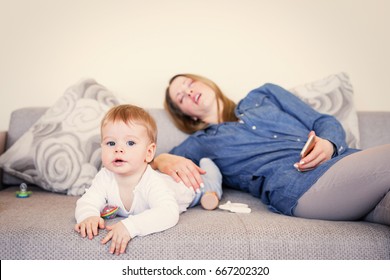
3 138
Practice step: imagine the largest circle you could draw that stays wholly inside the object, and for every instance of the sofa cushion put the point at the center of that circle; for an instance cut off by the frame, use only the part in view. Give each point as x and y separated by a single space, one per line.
200 234
333 95
61 151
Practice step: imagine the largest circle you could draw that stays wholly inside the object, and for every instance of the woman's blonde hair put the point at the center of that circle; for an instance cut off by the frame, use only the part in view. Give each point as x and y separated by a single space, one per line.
186 123
131 114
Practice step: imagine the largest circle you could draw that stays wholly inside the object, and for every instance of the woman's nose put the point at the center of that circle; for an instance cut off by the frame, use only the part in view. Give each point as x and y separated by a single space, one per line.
188 91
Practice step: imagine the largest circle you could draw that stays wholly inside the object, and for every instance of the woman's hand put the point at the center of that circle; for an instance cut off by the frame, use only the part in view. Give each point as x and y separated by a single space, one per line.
180 169
322 151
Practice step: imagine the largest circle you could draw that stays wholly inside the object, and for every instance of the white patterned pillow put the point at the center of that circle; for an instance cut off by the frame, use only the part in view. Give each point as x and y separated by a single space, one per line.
61 151
333 95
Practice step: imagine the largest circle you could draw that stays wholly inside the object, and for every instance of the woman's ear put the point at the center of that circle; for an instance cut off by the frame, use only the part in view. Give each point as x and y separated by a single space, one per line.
151 151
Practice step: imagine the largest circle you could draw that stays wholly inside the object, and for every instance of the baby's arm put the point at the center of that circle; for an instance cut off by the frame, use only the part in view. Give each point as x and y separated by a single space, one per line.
119 236
89 226
87 212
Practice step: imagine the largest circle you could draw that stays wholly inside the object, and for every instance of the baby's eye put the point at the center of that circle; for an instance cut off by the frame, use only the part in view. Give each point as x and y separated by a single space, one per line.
110 143
130 143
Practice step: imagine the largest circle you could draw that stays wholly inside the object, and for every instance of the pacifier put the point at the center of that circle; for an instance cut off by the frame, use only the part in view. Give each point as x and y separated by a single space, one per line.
23 193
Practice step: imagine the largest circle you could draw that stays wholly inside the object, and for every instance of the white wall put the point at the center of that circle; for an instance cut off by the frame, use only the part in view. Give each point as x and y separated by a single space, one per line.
133 47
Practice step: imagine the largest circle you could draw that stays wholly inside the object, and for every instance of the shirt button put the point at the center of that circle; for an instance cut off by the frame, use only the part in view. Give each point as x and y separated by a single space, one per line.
299 139
275 136
241 121
257 105
254 127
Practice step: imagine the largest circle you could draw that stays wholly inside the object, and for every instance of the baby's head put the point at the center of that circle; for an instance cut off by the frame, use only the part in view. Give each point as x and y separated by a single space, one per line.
130 114
128 137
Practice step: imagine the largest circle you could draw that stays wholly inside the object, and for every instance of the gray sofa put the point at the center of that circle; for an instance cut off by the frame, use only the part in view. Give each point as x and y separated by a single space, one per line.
41 226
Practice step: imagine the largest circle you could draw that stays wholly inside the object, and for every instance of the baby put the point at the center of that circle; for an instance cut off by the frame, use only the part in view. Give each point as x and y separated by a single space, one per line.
150 201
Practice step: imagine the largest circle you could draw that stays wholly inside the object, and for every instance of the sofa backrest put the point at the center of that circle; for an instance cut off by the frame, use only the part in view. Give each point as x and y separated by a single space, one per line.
22 119
374 130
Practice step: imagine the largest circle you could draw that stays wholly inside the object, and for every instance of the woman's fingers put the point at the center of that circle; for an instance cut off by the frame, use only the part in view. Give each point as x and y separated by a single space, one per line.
190 175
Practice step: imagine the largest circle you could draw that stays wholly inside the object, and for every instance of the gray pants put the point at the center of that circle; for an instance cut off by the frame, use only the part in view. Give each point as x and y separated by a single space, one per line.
356 187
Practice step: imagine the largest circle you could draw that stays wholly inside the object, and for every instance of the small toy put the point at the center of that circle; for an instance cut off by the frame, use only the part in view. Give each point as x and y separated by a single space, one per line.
109 212
235 207
23 193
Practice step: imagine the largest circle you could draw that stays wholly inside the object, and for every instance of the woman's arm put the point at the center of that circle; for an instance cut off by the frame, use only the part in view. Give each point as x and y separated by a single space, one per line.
329 134
180 169
325 126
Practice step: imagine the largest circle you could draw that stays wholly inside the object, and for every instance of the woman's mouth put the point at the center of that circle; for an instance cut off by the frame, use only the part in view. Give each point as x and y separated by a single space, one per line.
196 99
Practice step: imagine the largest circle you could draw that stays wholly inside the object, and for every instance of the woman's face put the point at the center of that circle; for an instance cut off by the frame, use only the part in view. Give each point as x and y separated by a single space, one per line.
194 98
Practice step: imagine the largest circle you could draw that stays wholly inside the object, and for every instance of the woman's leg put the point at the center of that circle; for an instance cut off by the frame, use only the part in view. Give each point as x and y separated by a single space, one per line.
381 212
356 186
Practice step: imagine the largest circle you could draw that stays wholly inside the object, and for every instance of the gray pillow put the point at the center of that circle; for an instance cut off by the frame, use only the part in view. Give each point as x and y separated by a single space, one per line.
61 151
333 95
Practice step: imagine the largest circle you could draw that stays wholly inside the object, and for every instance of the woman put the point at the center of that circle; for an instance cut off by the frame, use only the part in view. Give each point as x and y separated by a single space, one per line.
257 143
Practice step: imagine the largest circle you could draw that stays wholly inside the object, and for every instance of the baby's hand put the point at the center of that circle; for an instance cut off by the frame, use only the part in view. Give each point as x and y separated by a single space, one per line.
90 226
120 238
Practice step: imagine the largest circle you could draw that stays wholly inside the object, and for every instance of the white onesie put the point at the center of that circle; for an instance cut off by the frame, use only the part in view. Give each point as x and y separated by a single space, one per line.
158 201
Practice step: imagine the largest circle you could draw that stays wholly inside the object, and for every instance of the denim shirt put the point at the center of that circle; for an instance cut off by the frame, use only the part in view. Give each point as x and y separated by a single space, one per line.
257 153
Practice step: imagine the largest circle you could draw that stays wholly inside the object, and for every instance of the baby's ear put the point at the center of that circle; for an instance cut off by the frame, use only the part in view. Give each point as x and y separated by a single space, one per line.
151 151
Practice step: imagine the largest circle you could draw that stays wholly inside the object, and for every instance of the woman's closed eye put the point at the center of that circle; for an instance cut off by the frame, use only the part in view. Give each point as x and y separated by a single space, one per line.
187 89
188 83
181 97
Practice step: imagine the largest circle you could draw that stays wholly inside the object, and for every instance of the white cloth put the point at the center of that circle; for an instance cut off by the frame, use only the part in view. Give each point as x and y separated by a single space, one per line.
158 201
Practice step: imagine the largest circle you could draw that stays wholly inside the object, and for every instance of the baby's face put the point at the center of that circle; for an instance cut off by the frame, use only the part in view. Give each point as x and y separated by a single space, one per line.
126 148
